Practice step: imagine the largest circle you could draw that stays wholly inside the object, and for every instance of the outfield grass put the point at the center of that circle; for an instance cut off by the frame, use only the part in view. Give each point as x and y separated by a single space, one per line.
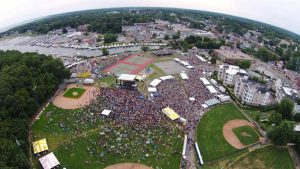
246 134
80 139
270 157
210 137
71 92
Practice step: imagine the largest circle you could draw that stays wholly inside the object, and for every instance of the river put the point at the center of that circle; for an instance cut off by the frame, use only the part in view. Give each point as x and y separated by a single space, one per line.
13 44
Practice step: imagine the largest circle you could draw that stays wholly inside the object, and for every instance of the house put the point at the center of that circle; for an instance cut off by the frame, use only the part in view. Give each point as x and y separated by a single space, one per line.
251 92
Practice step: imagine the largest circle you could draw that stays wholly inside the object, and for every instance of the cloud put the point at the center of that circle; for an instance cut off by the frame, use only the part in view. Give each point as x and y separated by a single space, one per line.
278 12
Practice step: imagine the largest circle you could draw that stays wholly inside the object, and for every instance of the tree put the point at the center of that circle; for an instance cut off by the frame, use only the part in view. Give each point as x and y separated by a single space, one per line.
105 52
65 30
166 37
285 108
109 38
26 80
282 134
177 35
213 60
154 35
297 117
276 118
145 48
244 64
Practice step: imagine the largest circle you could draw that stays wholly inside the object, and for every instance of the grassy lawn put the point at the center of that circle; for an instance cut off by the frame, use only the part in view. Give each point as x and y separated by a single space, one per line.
246 134
269 157
74 93
80 139
107 81
165 58
157 72
210 137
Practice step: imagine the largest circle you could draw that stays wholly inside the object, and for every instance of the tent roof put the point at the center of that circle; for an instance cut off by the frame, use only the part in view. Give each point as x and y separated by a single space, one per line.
152 89
40 146
184 76
205 81
166 77
170 113
155 82
127 77
49 161
106 112
211 89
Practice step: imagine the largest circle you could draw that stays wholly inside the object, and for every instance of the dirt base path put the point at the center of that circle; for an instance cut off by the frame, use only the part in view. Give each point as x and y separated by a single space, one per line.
72 103
128 166
229 134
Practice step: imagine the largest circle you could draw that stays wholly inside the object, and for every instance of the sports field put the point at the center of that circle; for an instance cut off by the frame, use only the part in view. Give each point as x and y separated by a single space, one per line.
210 136
246 134
81 140
270 157
74 92
132 64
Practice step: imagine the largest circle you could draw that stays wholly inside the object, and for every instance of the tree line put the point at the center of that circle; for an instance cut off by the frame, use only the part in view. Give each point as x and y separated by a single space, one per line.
26 81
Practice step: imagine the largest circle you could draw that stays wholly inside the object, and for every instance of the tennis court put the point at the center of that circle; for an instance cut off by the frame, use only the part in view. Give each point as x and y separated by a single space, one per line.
132 64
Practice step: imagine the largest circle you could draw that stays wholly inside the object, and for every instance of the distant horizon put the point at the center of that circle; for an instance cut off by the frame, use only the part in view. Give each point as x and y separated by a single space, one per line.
9 27
282 14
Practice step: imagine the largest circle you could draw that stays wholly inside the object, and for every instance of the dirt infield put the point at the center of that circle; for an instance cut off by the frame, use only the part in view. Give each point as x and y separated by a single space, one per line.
229 134
72 103
128 166
132 64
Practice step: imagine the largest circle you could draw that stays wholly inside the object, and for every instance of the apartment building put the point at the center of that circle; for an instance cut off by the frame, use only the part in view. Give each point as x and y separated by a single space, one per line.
229 73
251 92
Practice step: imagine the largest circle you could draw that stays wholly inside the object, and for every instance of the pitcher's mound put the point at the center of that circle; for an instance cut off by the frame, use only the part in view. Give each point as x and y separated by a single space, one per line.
128 166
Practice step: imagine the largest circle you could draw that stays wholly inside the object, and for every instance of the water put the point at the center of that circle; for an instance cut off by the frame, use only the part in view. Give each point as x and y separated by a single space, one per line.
12 44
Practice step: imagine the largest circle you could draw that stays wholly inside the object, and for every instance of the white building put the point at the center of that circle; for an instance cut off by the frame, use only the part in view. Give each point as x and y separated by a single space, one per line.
251 92
229 73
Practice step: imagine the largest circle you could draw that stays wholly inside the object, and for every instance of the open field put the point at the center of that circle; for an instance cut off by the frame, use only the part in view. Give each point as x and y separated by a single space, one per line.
270 157
246 134
74 92
81 139
210 136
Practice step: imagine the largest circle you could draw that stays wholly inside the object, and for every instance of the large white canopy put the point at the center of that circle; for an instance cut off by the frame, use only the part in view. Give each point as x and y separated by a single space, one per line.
49 161
106 112
88 81
166 77
127 77
205 81
152 89
211 89
155 82
184 76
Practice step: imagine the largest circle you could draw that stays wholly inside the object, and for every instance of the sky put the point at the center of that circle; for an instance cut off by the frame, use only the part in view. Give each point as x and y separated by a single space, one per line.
281 13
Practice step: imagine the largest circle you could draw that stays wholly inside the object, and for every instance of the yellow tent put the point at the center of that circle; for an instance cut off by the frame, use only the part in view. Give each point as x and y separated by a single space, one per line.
40 146
170 113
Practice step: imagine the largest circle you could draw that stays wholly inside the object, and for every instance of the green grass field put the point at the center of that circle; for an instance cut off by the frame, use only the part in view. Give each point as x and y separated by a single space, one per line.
210 137
80 139
270 157
107 81
74 92
246 134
